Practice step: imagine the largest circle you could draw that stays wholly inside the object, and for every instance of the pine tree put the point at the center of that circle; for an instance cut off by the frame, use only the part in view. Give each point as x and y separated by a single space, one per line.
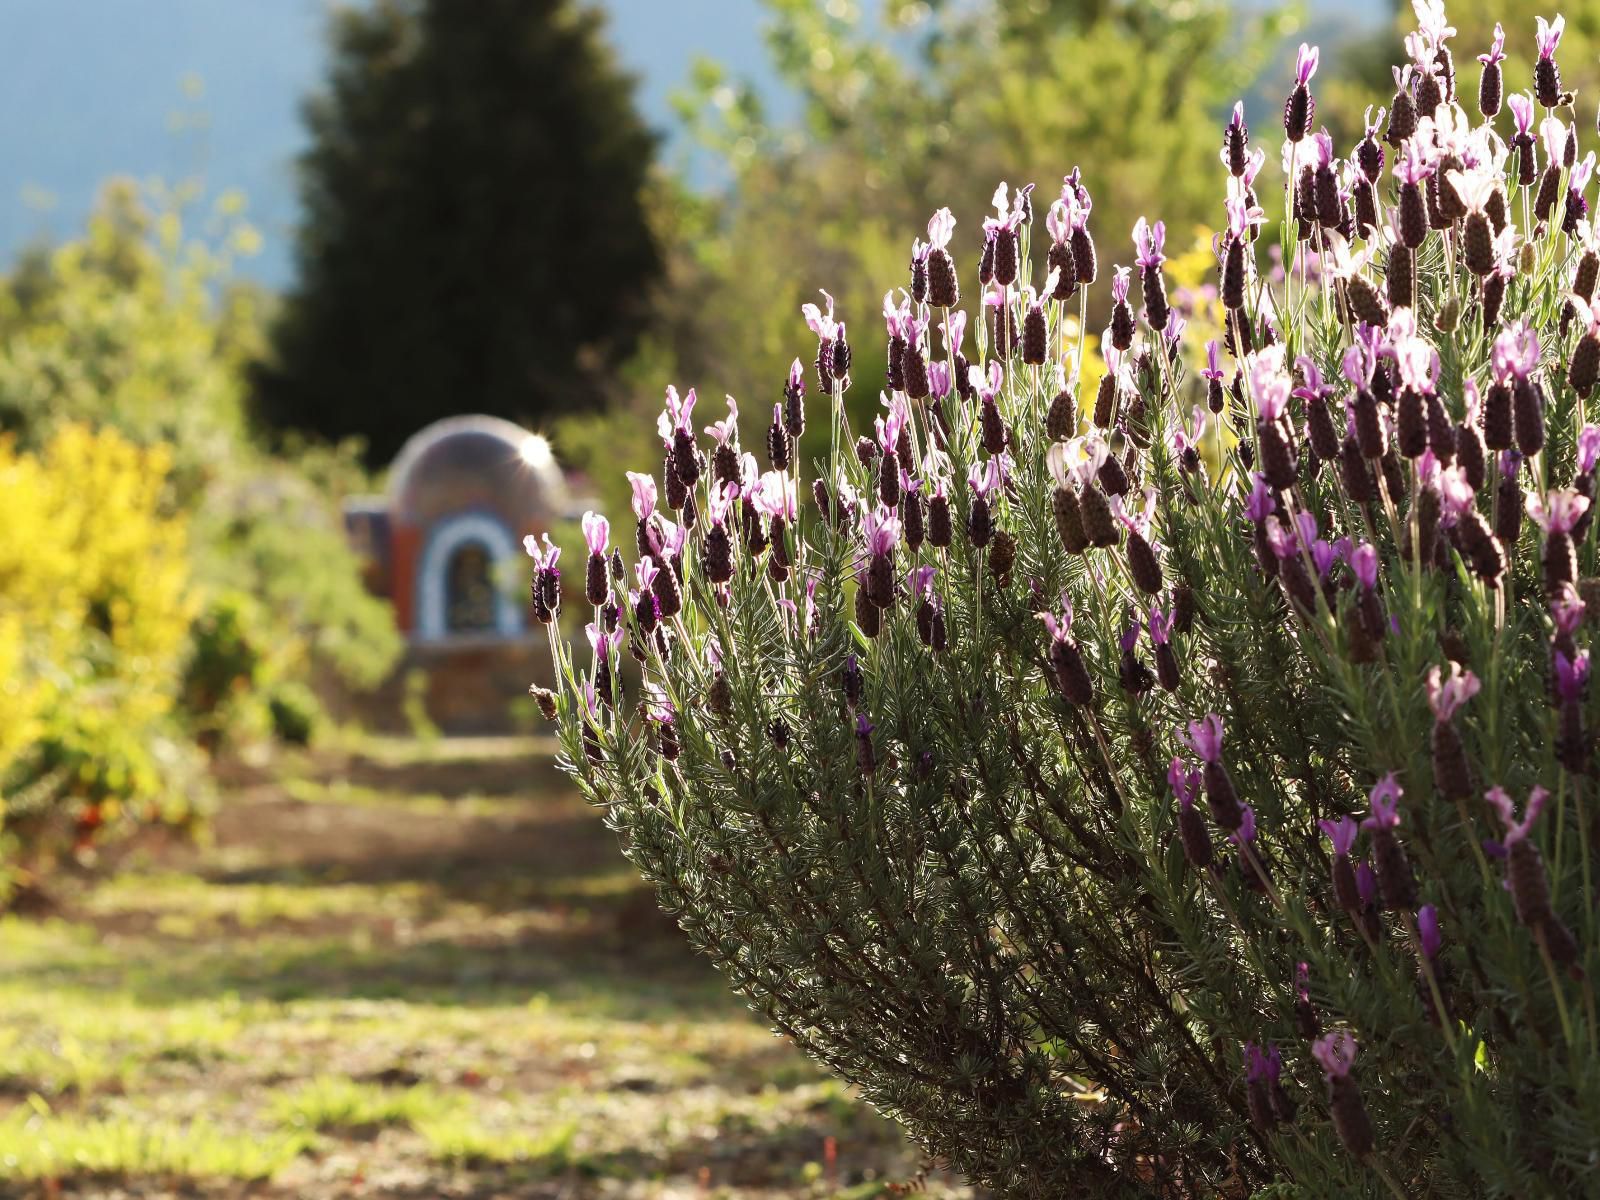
474 234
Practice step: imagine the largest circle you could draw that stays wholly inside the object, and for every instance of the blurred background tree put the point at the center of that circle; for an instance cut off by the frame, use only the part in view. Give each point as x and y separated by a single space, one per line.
474 234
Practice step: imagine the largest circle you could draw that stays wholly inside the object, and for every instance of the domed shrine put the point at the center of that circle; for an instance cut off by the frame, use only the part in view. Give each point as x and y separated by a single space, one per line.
444 545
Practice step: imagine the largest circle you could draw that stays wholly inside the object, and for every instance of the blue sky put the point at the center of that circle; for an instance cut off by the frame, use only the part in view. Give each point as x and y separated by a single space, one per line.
211 88
93 88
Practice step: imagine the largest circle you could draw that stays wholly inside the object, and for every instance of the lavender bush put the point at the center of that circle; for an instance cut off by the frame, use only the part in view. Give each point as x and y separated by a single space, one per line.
1178 785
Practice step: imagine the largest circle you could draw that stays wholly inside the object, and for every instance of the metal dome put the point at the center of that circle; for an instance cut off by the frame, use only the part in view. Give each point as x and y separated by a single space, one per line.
476 462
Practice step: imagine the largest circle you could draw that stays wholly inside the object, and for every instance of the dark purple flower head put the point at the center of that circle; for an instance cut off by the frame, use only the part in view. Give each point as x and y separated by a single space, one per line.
1497 48
1385 797
727 429
1446 695
1184 781
1305 64
1428 931
1149 240
544 559
1342 833
596 532
1572 674
1517 830
1522 113
1336 1052
1558 511
644 494
1548 35
1204 737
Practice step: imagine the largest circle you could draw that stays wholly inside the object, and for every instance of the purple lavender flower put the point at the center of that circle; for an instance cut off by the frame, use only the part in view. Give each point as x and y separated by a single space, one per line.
1336 1053
1428 931
1299 109
1395 881
1447 694
1557 511
1571 675
596 535
1364 563
546 588
1149 240
1204 737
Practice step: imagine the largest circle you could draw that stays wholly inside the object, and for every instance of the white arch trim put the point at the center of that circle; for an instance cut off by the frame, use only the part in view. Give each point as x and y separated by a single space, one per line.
432 584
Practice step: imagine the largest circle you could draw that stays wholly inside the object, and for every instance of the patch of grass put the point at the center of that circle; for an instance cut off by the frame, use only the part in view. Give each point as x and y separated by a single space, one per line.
333 1104
34 1144
466 1142
476 991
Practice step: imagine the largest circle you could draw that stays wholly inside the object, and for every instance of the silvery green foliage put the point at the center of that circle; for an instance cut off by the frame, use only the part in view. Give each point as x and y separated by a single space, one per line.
1182 786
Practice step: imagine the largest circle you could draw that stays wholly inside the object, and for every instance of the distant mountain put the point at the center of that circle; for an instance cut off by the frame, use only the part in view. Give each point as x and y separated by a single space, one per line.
211 89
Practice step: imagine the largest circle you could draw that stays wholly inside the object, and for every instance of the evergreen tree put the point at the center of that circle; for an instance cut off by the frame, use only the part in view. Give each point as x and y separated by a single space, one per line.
474 237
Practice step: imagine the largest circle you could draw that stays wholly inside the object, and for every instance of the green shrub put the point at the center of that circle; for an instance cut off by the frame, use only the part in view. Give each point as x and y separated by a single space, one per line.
1183 789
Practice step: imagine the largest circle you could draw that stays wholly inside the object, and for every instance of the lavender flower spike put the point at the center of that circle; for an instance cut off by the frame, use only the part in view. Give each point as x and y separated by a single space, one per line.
1336 1053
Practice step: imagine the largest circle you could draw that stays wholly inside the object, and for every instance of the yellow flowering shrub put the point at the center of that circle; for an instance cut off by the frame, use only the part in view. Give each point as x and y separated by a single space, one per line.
95 609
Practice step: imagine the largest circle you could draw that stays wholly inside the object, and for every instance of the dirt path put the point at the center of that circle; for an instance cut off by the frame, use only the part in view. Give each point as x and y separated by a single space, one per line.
405 970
